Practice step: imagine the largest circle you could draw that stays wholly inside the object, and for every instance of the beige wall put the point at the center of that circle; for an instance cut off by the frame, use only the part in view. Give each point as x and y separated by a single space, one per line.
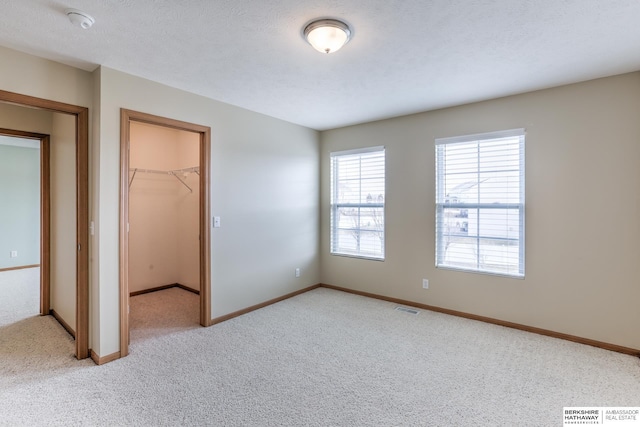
582 155
264 186
95 314
63 217
30 75
163 213
15 117
189 213
582 210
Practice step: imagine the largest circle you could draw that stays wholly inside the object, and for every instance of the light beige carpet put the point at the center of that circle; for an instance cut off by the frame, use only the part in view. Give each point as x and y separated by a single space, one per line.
161 313
321 358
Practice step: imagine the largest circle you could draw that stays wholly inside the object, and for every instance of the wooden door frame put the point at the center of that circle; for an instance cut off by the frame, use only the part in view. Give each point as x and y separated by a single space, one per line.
45 215
126 117
81 115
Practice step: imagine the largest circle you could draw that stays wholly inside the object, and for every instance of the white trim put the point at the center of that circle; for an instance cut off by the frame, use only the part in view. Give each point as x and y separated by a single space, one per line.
482 136
356 151
490 273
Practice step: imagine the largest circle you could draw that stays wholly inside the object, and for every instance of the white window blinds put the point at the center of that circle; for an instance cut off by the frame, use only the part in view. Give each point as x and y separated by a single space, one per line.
357 202
480 203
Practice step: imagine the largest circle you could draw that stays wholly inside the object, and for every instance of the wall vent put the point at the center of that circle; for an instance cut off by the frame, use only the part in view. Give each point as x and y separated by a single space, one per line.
407 310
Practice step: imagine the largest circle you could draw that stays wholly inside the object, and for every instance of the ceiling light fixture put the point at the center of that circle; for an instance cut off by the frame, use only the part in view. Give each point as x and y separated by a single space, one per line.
80 19
327 35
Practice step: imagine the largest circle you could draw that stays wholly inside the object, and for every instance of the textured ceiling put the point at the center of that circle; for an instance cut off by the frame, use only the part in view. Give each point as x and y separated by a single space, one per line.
405 56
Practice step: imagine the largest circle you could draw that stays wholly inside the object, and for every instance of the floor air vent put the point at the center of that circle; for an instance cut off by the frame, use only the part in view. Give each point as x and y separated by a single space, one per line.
407 310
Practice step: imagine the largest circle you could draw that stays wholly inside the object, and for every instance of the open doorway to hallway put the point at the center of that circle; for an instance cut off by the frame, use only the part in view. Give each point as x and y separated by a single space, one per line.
26 290
64 247
37 219
24 224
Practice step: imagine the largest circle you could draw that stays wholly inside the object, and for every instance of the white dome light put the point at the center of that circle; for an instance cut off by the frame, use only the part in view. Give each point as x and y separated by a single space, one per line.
327 35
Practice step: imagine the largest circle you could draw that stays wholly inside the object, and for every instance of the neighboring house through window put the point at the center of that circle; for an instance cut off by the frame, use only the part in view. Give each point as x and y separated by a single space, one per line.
480 202
357 203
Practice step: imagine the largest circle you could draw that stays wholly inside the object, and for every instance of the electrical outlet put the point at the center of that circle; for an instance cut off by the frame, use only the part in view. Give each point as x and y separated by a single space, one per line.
297 272
14 254
425 284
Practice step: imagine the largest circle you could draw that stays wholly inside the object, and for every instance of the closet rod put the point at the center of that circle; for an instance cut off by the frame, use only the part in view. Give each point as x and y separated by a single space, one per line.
174 173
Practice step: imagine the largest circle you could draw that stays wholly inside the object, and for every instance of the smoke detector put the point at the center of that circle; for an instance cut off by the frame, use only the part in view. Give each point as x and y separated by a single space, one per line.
80 19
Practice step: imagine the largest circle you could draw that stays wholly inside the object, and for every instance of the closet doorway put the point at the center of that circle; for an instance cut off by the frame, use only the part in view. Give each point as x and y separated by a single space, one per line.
164 211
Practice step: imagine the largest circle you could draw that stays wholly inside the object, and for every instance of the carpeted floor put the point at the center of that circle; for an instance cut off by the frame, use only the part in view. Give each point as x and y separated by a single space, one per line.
162 313
321 358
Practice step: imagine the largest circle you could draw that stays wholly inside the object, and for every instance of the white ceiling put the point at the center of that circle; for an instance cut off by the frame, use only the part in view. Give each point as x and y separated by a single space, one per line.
405 56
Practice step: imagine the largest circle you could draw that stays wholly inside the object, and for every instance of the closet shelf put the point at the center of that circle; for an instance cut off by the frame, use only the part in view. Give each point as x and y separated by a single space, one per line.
173 173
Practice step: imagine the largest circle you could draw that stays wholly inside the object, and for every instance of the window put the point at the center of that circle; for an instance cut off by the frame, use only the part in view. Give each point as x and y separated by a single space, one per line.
357 203
480 203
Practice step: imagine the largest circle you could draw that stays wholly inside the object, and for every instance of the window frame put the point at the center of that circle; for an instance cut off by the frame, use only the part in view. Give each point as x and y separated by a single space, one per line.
335 206
441 206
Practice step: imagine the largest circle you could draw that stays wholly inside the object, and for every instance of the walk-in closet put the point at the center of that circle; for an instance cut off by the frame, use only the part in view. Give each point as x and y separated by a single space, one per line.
164 270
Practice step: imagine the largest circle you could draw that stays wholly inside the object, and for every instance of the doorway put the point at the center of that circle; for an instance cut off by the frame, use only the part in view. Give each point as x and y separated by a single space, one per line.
128 119
23 140
80 118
